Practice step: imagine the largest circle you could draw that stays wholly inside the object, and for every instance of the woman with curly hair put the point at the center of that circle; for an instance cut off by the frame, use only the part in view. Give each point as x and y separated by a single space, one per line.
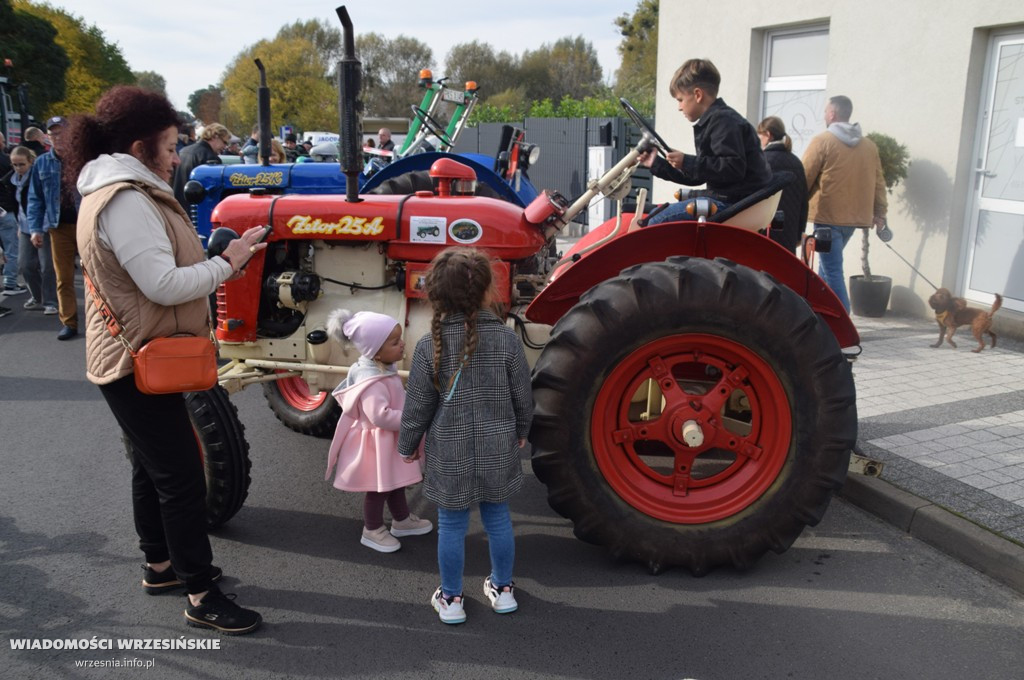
143 255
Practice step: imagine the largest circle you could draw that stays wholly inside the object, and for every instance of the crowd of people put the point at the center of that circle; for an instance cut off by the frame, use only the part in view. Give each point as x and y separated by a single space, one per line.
38 216
39 210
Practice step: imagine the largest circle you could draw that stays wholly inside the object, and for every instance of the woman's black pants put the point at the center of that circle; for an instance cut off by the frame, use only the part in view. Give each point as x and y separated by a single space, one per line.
168 482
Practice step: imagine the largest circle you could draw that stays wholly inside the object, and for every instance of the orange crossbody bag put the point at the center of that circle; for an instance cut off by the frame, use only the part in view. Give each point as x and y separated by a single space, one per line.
179 363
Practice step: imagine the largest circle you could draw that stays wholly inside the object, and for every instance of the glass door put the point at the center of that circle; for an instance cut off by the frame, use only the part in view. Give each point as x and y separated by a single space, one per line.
995 240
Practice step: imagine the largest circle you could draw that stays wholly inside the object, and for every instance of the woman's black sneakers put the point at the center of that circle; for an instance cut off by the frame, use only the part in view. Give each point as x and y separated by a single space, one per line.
160 582
219 612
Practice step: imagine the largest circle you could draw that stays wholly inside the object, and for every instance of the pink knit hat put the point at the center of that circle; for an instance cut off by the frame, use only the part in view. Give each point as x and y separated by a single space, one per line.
366 330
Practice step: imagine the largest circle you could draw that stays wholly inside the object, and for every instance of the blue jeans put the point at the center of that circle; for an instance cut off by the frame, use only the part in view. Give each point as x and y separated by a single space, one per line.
676 212
36 266
451 545
9 242
830 264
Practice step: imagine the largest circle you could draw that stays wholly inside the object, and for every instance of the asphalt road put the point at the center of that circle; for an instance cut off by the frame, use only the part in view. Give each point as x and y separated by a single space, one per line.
854 598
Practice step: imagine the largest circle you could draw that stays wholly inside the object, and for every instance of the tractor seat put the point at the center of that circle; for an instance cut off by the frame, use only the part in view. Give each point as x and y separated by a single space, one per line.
755 212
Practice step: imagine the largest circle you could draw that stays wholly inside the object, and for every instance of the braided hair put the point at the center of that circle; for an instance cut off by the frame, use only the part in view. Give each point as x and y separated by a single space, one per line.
459 281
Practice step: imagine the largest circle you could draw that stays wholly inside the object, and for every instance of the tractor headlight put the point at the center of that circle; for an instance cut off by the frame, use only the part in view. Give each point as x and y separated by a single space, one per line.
194 192
529 154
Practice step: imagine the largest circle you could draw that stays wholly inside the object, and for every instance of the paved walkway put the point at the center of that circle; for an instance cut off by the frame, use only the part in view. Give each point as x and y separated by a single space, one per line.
947 423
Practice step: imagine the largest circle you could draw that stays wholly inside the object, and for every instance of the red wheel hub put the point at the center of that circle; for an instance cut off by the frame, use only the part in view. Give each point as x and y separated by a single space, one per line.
691 428
295 391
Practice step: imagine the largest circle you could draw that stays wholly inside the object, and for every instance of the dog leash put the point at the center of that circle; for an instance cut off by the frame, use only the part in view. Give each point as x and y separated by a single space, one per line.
910 265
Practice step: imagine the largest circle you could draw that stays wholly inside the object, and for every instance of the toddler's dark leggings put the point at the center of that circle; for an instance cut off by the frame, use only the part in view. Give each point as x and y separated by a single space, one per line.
373 507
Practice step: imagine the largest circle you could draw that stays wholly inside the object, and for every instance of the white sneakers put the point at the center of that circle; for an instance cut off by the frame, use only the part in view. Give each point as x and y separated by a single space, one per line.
503 600
449 610
411 526
380 540
384 541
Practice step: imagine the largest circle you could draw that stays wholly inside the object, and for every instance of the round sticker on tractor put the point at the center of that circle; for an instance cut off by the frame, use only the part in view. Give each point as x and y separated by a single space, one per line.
465 230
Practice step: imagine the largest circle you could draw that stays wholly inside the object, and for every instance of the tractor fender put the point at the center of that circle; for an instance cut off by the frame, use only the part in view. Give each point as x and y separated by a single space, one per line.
478 162
598 261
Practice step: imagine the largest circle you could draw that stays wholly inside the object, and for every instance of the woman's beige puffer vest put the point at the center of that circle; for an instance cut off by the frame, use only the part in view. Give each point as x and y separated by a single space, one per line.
106 358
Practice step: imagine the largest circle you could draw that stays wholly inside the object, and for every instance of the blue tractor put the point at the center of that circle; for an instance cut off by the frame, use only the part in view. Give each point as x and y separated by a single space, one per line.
502 176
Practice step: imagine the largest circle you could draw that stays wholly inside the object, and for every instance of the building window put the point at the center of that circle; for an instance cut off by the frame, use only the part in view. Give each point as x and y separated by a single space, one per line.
795 68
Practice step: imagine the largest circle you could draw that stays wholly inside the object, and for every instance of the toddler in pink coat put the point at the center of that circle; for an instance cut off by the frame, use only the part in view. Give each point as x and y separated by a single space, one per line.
364 451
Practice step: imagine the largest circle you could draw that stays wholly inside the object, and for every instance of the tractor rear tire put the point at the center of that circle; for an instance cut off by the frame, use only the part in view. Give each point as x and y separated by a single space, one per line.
419 180
315 415
225 453
705 334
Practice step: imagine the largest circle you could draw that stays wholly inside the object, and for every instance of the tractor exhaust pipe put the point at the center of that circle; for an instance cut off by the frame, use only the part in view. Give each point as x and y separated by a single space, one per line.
263 113
350 76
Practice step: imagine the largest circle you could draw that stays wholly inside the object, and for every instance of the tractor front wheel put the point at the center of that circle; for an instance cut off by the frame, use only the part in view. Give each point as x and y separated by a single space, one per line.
225 452
693 413
293 404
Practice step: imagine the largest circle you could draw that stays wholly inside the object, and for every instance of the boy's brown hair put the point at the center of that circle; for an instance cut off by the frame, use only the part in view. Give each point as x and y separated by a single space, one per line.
696 73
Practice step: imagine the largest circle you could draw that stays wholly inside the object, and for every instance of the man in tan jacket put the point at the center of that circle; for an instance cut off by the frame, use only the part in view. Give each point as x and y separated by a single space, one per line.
846 187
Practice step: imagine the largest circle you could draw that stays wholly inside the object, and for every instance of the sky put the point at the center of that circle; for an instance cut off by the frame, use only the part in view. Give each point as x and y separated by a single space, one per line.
191 42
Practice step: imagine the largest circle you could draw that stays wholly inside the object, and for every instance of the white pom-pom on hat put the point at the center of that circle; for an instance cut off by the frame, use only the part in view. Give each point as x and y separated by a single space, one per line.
366 330
336 321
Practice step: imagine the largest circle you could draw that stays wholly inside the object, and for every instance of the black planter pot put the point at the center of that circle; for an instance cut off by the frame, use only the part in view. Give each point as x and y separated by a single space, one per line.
870 297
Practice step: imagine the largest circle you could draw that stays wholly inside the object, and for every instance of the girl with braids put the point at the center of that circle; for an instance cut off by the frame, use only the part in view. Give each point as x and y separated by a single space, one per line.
469 400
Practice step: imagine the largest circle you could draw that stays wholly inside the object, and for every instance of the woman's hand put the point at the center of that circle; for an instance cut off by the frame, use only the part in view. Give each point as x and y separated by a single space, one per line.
240 250
413 457
675 159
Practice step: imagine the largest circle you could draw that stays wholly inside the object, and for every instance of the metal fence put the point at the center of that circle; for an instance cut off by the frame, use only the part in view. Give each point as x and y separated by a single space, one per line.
563 142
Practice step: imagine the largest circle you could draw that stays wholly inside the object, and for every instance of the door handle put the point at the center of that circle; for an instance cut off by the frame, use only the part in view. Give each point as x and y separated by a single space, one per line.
985 172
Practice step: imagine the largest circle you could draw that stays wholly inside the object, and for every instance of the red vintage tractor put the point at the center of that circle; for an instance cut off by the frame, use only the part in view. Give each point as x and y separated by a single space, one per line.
693 403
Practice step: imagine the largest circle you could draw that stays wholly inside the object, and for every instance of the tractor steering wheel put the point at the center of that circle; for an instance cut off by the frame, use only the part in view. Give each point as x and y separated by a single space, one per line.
433 127
642 123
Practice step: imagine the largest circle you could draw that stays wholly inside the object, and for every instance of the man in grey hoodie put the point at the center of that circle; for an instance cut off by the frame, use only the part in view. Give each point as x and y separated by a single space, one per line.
846 187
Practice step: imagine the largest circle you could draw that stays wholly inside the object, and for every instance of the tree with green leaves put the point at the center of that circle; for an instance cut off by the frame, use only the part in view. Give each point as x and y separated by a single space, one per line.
494 72
302 93
566 68
30 42
96 64
574 68
151 80
534 76
326 39
638 72
391 73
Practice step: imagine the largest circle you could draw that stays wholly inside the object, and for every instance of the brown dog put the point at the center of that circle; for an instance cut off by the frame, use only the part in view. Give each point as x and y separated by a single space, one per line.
953 312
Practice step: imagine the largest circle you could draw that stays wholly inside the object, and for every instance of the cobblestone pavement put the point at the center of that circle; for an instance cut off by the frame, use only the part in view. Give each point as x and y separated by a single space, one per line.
947 423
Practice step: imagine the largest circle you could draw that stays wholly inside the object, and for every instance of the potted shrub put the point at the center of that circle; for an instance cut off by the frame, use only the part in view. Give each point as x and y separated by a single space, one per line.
869 294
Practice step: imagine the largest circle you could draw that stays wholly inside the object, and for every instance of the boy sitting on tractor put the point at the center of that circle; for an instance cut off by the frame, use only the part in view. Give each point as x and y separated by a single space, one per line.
729 158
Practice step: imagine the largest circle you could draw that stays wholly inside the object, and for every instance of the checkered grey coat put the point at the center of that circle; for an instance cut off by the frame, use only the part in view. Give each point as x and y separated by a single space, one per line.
471 446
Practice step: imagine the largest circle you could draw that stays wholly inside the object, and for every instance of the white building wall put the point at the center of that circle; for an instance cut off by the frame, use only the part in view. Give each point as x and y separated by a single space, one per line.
914 70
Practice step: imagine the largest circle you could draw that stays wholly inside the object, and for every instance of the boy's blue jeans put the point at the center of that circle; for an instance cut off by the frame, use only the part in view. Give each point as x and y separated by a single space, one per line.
830 264
452 526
